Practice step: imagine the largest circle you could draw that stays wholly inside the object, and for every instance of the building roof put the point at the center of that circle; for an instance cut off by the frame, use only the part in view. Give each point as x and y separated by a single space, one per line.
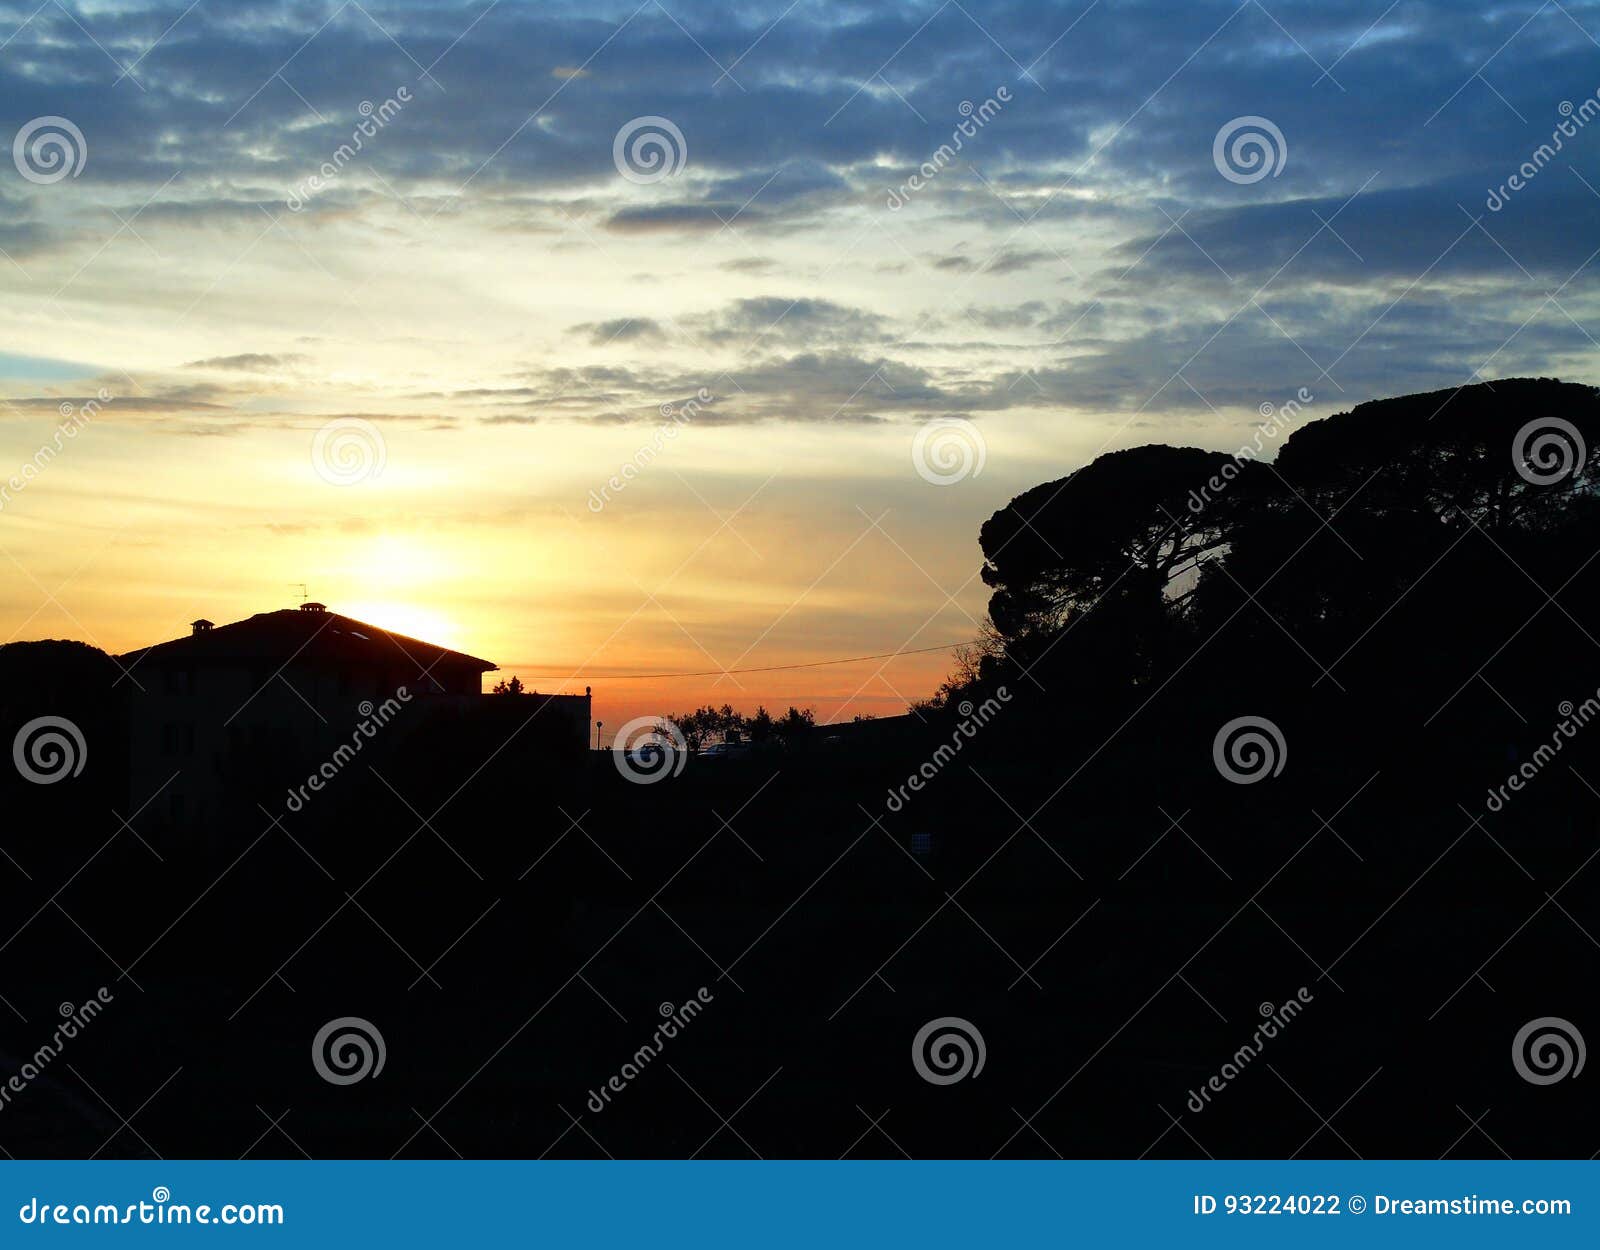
309 633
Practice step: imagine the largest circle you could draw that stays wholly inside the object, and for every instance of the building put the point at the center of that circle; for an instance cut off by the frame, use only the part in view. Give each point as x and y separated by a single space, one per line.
233 717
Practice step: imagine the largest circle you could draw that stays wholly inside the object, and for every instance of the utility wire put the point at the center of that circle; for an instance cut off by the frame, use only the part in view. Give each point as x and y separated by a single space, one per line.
769 668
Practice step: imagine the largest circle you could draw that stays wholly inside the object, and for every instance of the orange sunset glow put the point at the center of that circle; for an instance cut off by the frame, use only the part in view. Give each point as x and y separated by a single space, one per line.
594 588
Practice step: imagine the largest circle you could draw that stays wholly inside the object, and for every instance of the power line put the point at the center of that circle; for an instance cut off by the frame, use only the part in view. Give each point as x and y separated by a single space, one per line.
769 668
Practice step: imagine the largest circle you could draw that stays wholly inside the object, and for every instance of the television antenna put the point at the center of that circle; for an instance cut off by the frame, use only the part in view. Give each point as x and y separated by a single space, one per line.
304 594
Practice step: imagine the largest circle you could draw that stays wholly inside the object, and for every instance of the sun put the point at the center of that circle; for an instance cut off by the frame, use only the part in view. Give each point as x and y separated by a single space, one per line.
392 580
398 562
400 617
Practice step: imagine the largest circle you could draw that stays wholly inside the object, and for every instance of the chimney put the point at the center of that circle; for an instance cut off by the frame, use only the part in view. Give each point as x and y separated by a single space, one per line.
200 627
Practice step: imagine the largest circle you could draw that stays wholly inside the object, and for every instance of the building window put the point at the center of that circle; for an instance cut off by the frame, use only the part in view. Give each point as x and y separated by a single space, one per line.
177 738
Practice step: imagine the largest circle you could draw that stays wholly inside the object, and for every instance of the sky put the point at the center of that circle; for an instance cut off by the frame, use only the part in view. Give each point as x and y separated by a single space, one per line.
606 340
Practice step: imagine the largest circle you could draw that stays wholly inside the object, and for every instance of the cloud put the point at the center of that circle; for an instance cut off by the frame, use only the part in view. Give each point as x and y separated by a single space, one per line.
1429 232
770 321
127 400
1006 260
759 324
749 264
1016 317
1090 214
837 385
248 362
670 218
23 239
622 330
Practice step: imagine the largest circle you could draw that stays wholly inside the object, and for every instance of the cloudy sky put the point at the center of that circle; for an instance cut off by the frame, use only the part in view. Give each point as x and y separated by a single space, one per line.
380 296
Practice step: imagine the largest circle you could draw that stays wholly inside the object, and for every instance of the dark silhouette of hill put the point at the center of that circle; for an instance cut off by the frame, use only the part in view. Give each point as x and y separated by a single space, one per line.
1072 852
50 680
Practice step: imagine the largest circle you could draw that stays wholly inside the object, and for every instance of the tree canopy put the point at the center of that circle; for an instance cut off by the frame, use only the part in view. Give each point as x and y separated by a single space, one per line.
1126 527
1116 573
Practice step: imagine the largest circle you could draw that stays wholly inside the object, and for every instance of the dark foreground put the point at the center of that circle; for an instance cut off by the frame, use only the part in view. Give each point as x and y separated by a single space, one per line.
1114 952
